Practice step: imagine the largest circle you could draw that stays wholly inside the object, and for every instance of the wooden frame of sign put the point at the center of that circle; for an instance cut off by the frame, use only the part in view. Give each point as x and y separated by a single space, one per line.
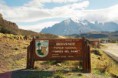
59 49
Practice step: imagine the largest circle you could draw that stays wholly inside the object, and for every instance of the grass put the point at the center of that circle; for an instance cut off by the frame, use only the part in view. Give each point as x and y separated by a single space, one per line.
103 64
59 74
13 53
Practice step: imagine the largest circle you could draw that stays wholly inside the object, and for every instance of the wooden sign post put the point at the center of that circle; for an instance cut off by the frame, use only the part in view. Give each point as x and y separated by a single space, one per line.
59 49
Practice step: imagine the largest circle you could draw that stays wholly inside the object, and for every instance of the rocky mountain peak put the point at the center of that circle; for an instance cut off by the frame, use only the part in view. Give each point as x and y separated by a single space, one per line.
77 26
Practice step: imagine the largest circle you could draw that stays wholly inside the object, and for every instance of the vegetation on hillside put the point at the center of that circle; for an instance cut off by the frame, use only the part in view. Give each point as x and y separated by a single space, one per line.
7 27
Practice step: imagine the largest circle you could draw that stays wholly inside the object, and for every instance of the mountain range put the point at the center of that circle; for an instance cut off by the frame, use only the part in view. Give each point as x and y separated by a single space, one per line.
70 26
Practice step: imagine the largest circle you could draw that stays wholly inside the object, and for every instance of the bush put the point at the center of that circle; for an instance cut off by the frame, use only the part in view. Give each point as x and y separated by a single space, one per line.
6 30
16 48
96 52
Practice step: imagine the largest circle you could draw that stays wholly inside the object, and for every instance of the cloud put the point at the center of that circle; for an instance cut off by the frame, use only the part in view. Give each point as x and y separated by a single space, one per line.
31 13
39 26
54 1
82 5
102 15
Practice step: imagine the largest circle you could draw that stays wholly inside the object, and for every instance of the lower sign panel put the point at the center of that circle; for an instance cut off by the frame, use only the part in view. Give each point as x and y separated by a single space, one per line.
58 49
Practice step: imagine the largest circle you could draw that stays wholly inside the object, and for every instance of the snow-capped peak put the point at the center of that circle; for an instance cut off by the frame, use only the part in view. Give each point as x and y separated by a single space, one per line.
67 21
75 19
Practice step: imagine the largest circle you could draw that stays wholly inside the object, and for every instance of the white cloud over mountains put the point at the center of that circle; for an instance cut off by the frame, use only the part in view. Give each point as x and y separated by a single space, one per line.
39 26
102 15
34 11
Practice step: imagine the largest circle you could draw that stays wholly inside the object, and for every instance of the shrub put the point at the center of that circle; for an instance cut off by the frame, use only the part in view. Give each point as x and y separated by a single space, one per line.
96 52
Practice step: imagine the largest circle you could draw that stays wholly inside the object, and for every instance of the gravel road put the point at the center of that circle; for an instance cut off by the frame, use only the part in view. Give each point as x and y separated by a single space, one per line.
112 50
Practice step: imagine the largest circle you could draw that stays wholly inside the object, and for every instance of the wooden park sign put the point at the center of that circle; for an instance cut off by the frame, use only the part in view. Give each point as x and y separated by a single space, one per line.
59 49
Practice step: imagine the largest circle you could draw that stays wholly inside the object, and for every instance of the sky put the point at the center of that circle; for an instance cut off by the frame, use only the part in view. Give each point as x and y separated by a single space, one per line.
38 14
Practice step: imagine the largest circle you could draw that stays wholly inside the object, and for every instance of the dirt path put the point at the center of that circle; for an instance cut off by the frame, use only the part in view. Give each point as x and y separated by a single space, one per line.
111 49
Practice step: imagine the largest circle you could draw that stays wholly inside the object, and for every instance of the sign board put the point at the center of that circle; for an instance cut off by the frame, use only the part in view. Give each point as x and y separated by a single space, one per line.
58 49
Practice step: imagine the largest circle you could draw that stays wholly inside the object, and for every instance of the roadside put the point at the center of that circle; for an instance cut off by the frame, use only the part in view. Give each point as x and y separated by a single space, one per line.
112 50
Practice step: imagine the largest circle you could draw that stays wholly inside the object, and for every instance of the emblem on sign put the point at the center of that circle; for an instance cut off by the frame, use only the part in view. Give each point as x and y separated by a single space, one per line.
42 48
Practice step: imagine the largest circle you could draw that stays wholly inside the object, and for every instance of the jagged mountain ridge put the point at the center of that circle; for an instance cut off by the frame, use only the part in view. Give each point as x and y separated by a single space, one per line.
70 26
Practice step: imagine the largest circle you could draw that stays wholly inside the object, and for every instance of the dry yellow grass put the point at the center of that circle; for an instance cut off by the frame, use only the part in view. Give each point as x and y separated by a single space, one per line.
13 57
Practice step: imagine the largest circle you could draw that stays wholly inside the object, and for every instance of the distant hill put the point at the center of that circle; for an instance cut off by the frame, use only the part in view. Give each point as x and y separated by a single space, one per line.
72 26
8 27
110 35
12 28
